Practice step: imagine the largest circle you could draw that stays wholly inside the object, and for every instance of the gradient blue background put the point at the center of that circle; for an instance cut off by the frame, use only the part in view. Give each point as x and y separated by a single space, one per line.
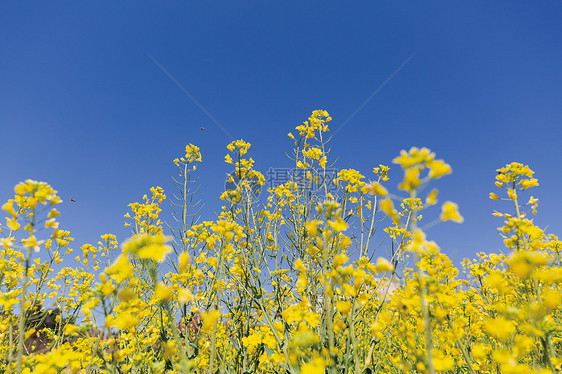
83 107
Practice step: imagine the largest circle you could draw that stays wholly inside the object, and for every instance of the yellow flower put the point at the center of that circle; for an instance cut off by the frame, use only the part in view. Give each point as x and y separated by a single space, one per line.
431 199
9 207
7 242
521 268
126 294
299 265
163 292
121 269
183 261
312 153
552 299
184 295
32 242
12 224
107 289
305 337
240 145
338 225
53 213
377 189
497 281
418 242
445 363
526 183
29 332
479 351
387 207
383 265
210 319
55 200
312 227
414 156
170 349
148 247
302 165
450 212
411 180
344 307
192 153
438 168
340 259
500 328
71 329
512 194
51 223
123 321
316 366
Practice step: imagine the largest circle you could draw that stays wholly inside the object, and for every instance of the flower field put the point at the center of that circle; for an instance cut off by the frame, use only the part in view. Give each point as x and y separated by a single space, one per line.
319 276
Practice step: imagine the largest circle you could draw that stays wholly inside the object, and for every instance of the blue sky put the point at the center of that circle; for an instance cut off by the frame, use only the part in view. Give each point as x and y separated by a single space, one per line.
83 106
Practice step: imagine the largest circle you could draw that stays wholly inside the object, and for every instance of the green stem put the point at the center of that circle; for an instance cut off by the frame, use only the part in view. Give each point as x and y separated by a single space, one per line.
21 322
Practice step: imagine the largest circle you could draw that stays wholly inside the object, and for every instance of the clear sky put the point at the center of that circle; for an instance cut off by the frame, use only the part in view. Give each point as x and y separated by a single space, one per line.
85 108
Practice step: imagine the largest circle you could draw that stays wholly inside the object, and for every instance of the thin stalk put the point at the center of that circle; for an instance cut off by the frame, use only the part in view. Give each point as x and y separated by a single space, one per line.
21 322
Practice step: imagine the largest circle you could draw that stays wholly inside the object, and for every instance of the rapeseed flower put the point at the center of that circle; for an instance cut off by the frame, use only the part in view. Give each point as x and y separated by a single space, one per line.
280 288
450 212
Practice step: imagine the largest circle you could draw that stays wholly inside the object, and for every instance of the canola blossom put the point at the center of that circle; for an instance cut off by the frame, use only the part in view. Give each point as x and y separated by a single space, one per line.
313 278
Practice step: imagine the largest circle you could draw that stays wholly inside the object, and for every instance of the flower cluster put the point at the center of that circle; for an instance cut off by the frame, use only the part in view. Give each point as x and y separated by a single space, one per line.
301 282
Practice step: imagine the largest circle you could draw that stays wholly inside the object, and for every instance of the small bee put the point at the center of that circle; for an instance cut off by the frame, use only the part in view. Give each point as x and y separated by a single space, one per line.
73 200
202 128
